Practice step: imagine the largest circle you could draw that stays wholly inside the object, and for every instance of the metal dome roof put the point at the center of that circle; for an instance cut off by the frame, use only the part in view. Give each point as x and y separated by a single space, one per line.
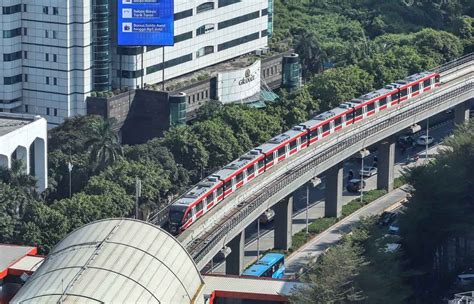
115 261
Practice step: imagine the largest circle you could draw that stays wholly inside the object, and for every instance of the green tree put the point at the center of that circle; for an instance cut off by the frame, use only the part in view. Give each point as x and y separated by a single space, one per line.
331 279
104 146
440 215
43 227
338 85
188 150
219 140
13 203
312 54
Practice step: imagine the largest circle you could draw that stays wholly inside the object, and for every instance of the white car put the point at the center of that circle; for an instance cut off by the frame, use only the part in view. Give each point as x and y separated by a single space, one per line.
423 140
368 171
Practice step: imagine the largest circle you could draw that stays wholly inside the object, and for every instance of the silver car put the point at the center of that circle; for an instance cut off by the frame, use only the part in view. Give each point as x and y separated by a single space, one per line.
368 171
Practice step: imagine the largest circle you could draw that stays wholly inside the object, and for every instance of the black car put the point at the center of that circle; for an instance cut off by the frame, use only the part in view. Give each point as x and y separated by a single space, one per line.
355 185
387 218
405 141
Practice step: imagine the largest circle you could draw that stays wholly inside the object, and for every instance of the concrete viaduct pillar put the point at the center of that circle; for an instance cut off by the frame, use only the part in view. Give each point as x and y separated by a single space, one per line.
461 113
386 164
334 184
284 224
234 262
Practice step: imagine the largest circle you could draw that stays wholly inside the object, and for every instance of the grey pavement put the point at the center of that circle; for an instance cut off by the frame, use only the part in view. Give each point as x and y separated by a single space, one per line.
299 260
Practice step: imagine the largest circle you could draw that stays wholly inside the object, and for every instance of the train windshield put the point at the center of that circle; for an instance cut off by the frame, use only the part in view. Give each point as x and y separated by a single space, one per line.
176 214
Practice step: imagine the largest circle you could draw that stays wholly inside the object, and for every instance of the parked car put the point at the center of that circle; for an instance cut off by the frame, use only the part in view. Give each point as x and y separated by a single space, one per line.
368 171
466 277
394 228
405 141
355 185
387 218
423 140
267 217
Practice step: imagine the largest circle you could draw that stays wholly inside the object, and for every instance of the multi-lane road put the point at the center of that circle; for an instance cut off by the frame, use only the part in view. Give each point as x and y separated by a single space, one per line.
264 241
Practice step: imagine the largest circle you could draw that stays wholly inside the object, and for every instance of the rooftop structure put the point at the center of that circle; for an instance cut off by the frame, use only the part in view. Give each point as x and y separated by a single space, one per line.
24 138
115 261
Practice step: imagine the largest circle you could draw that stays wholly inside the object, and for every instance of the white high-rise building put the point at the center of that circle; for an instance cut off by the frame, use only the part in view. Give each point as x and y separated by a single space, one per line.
54 53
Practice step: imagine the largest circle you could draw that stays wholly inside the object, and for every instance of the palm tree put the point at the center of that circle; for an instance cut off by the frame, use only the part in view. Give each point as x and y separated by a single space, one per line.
312 54
103 145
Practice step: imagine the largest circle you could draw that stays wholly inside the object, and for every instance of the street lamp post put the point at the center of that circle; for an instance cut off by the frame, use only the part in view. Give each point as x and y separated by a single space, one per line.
138 193
363 153
307 206
70 166
426 141
258 239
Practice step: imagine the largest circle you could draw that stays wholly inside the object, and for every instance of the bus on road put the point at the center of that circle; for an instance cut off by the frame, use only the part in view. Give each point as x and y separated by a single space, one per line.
271 265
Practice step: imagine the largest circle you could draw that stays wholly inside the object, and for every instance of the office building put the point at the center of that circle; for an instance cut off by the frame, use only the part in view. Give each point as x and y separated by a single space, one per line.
55 53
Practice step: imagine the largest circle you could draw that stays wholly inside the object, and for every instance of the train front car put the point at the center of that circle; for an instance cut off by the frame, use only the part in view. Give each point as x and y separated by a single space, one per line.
194 203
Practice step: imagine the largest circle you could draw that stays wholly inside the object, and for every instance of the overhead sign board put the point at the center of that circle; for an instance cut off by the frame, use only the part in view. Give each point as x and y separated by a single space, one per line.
145 22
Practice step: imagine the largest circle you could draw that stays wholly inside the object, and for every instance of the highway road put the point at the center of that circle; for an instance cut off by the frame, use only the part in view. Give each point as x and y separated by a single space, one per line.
316 210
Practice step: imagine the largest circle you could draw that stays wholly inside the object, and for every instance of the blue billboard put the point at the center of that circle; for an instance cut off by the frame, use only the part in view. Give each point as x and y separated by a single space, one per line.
145 22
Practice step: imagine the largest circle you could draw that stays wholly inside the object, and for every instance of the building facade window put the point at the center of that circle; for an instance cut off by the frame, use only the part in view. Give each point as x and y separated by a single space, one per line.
55 11
183 14
8 10
207 28
13 79
240 19
12 56
238 41
45 10
183 37
12 33
205 51
47 80
206 6
223 3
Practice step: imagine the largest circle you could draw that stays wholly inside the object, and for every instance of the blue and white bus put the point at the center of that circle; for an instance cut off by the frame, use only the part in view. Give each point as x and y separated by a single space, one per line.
271 265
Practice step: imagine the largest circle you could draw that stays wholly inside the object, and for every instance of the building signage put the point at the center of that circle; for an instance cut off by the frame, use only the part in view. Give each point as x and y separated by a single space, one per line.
241 85
145 22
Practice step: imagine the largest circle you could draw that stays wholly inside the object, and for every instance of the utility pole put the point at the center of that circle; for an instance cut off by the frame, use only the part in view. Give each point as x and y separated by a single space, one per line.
307 206
426 141
138 193
258 239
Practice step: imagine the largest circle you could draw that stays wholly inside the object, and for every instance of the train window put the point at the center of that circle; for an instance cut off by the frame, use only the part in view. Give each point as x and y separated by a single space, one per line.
199 206
394 97
350 116
426 83
437 79
261 163
415 88
303 139
239 177
219 191
269 158
358 112
209 198
403 93
338 121
281 151
293 144
313 133
370 106
228 184
383 101
250 170
326 127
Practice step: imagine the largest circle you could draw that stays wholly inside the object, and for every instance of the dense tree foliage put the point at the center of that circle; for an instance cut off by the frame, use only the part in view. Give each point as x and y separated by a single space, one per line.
440 217
357 270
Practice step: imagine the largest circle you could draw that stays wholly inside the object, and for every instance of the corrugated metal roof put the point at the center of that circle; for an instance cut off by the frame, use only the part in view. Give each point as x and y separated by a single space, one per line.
115 261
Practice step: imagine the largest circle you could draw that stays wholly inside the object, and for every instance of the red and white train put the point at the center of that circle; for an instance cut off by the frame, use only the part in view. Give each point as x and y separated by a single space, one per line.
213 189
